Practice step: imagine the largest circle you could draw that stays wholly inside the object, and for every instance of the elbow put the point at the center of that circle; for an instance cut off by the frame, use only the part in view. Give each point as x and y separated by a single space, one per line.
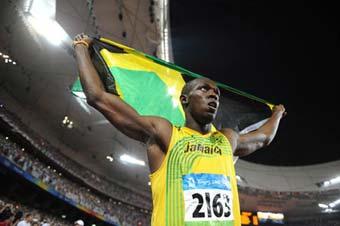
267 141
265 144
93 99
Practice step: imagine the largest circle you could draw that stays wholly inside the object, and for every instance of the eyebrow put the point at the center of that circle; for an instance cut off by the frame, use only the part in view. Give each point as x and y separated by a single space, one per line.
211 87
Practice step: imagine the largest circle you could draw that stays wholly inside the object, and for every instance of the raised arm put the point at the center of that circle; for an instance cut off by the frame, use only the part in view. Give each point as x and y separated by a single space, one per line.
246 144
120 114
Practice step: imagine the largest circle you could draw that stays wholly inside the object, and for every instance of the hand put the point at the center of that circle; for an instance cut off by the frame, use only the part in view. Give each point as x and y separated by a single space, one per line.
279 110
79 38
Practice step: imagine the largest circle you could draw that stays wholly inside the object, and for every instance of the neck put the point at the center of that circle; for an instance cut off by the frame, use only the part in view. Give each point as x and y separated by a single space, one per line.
194 125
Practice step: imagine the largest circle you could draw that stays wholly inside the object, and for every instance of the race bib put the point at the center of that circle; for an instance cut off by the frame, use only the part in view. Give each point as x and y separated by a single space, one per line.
207 197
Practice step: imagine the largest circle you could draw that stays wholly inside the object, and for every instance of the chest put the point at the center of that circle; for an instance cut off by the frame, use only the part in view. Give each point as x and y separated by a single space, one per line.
192 153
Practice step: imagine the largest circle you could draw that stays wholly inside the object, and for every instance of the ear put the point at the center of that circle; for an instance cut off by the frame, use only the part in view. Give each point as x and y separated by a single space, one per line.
184 99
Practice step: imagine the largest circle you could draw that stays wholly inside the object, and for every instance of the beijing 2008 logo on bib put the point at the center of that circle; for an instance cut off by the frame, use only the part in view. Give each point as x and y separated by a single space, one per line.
207 198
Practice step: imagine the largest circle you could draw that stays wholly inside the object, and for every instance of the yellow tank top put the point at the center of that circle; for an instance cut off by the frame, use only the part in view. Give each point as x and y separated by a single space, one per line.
196 183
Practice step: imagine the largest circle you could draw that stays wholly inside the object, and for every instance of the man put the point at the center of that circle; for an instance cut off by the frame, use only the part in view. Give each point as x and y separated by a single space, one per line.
192 172
27 221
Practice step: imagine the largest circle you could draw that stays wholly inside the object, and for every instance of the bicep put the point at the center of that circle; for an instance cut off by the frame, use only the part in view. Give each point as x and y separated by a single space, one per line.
250 142
251 138
127 120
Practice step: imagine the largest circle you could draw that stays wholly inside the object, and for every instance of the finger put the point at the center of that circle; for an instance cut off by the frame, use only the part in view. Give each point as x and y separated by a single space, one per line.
78 37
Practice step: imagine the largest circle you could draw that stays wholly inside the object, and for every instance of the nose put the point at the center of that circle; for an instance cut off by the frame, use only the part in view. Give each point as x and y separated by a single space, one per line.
213 95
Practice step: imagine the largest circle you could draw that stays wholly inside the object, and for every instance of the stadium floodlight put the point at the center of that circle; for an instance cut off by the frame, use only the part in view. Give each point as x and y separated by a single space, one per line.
335 180
44 9
335 203
324 206
129 159
110 158
67 123
48 28
41 16
66 120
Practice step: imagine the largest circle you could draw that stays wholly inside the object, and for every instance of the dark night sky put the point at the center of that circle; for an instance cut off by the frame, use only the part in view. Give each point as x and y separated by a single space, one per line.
283 52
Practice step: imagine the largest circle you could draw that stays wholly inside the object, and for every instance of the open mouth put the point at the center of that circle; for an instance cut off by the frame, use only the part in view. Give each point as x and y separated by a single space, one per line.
213 104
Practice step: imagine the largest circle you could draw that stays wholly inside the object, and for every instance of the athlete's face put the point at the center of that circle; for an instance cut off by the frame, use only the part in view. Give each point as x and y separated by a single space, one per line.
203 101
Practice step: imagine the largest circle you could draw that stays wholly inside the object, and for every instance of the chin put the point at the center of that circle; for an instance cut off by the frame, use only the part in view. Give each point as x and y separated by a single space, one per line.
208 118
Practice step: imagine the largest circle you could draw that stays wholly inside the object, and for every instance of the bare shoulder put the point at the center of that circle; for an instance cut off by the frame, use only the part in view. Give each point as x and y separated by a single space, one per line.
162 130
159 122
228 132
231 135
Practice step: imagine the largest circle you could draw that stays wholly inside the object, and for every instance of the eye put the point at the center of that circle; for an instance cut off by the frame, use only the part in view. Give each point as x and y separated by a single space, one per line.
203 88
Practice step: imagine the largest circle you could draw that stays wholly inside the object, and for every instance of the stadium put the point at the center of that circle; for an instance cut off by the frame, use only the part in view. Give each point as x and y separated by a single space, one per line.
63 163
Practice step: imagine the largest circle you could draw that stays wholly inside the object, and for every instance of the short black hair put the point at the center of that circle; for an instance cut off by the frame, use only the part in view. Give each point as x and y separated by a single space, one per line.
190 85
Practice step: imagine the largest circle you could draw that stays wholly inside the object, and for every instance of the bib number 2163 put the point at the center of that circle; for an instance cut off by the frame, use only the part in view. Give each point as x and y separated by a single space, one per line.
208 205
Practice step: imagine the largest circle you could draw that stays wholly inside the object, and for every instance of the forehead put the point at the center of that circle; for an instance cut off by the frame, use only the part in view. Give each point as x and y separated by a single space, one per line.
205 81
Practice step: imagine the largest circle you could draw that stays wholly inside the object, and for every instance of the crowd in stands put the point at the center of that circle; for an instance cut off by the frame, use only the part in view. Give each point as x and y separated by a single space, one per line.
102 184
113 210
16 214
315 222
289 195
126 214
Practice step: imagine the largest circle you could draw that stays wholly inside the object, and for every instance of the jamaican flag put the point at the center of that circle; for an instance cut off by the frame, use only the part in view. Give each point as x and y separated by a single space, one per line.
153 87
